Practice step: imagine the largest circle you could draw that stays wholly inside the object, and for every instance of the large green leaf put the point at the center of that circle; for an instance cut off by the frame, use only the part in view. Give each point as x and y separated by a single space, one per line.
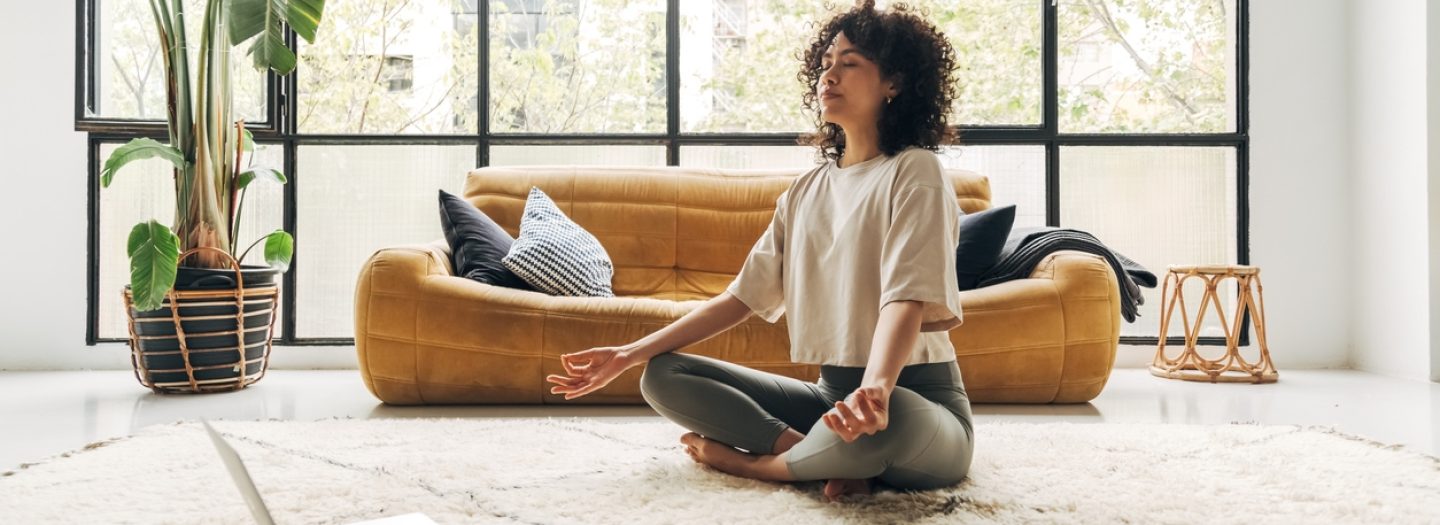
154 255
137 149
304 17
279 247
249 18
249 176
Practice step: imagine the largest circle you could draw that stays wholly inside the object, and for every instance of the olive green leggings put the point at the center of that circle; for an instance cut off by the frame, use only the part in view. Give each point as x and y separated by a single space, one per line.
928 442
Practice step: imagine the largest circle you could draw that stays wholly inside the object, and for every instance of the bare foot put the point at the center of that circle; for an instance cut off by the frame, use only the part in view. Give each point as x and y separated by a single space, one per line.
787 440
690 447
838 488
722 457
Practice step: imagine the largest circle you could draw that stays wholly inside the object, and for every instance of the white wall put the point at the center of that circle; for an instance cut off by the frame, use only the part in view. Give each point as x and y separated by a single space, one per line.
1432 90
1388 170
42 319
43 206
1299 208
1298 184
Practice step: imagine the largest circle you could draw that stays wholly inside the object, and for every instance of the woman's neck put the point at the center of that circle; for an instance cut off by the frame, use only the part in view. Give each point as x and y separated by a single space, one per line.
860 145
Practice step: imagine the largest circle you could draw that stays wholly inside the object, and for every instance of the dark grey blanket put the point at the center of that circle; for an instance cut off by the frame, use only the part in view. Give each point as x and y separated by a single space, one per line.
1026 246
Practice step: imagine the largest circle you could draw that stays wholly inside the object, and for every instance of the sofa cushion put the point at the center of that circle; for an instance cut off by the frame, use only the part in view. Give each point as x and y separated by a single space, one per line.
557 256
982 236
477 243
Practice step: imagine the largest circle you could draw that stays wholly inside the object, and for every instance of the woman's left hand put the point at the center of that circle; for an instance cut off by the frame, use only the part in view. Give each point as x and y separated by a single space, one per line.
864 411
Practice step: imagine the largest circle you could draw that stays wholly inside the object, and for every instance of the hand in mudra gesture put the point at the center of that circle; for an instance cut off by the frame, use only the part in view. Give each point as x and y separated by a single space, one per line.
589 370
864 411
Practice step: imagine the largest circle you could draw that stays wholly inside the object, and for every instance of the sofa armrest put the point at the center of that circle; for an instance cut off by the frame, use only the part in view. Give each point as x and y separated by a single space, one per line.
1089 295
1048 338
386 294
400 268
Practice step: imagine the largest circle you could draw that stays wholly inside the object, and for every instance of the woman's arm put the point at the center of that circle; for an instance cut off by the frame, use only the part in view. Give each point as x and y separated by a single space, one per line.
895 336
866 411
717 315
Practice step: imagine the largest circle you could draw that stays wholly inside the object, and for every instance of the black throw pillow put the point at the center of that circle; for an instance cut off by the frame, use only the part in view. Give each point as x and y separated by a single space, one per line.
982 237
477 244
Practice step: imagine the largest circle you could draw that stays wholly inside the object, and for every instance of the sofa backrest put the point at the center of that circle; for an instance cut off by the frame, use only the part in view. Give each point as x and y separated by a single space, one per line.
673 232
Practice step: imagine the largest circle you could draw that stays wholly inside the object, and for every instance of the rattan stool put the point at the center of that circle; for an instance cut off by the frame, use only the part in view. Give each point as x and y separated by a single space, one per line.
1189 365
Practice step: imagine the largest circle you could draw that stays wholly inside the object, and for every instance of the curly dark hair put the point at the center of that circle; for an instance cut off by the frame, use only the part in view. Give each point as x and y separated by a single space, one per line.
906 47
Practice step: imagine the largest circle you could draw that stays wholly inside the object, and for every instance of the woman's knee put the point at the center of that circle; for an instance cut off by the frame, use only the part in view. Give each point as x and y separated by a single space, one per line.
937 454
823 454
658 370
945 464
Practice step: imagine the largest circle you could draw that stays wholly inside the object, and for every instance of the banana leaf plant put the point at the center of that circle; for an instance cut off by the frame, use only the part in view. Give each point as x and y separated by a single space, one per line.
207 147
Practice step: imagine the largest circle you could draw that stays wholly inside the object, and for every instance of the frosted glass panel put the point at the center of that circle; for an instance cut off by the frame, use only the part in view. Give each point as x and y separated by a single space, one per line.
1158 206
354 200
145 190
577 155
1016 173
748 157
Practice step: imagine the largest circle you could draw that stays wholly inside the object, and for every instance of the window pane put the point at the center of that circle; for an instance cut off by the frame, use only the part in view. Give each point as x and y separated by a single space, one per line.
145 190
738 61
1158 206
577 66
1016 173
748 157
1147 66
130 81
998 50
578 155
391 67
354 200
738 64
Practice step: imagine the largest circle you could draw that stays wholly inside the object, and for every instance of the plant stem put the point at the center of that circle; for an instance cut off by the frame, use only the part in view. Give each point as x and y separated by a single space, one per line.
240 205
247 249
230 185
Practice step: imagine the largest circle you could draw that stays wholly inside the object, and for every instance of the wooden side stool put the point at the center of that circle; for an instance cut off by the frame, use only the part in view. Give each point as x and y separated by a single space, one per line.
1189 365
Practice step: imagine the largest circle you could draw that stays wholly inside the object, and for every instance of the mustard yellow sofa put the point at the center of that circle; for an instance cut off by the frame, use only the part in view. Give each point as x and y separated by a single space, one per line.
677 236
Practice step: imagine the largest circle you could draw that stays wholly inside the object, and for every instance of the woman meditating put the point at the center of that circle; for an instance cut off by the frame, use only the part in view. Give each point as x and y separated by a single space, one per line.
860 257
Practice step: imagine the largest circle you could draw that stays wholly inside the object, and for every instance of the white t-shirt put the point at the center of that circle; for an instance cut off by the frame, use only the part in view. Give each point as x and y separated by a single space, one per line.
844 242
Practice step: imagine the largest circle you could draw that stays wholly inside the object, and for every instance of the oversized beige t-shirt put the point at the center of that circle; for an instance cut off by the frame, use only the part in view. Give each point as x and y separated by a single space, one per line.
846 241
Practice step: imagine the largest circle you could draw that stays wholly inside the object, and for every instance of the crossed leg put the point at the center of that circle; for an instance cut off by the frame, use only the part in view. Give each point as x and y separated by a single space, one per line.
768 467
741 407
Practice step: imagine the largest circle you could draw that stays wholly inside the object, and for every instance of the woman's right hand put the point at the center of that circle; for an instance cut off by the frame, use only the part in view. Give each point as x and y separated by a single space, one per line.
589 370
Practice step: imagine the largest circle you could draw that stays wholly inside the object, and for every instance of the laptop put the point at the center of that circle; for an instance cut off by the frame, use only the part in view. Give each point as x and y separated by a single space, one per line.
241 476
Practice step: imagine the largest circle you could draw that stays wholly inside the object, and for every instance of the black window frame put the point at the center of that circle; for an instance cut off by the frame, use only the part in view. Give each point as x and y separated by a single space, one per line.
280 129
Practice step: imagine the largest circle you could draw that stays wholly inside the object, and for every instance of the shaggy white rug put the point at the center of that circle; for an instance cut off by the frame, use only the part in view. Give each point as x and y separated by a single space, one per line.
573 470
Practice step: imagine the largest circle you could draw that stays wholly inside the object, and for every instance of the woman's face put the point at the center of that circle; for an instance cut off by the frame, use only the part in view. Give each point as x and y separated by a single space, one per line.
850 89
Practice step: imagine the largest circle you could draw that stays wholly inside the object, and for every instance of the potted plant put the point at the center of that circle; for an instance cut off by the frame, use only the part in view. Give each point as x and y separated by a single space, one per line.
221 340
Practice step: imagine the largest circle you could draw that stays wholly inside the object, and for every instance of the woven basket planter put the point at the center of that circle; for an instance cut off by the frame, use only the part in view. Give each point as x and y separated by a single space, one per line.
216 340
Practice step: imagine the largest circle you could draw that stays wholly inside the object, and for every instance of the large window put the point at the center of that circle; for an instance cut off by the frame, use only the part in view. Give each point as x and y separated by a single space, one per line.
1123 118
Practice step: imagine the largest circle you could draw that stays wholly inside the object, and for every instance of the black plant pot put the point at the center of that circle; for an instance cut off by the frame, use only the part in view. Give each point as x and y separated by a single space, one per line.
212 358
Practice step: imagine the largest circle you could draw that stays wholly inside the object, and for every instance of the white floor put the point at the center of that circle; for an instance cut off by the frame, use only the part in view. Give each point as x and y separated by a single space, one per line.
47 413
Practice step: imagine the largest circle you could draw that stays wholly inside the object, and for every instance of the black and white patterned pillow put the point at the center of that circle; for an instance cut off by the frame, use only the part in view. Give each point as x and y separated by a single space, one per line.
557 256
